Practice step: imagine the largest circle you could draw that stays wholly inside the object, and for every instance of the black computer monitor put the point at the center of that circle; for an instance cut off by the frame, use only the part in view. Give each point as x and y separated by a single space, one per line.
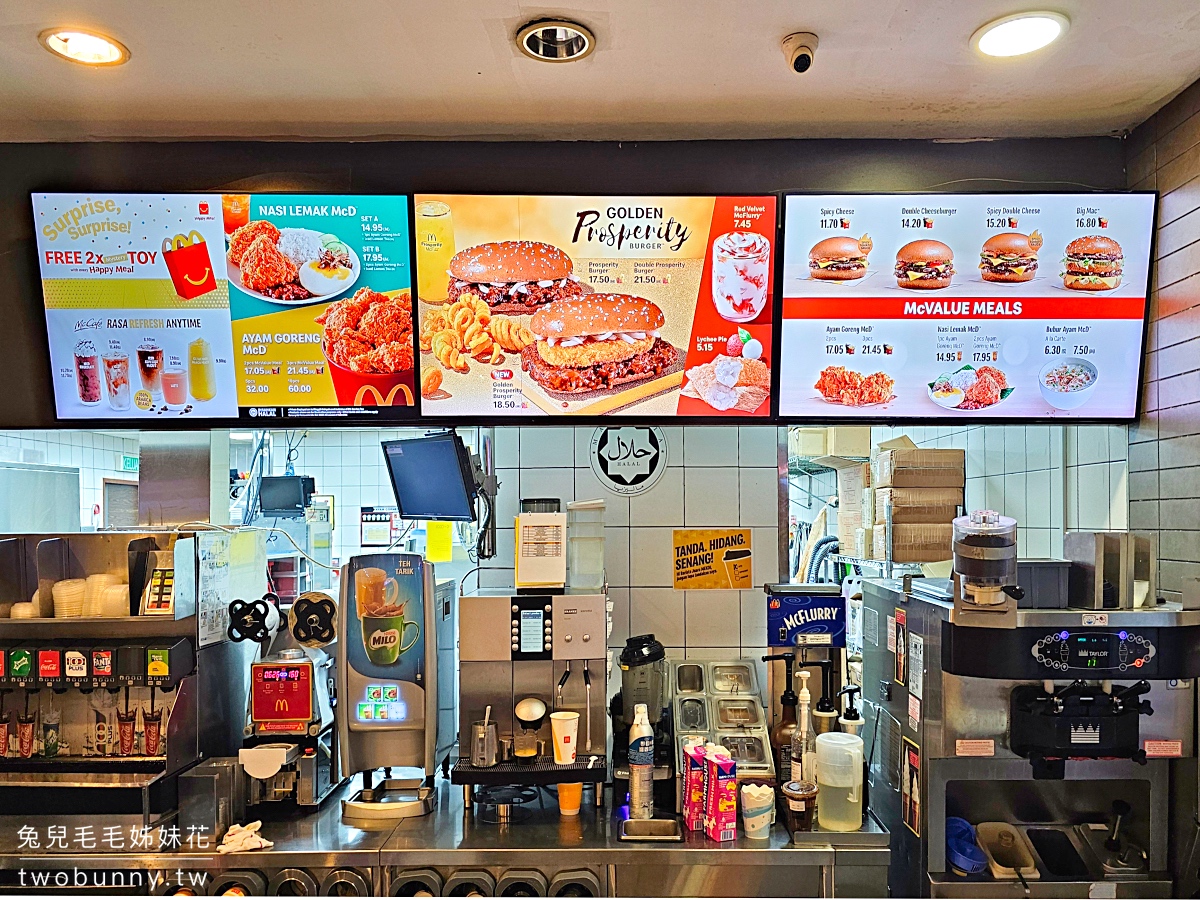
432 477
285 496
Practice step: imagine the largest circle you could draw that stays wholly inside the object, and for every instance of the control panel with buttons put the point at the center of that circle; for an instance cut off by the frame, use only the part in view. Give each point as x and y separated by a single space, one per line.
532 627
580 626
1093 651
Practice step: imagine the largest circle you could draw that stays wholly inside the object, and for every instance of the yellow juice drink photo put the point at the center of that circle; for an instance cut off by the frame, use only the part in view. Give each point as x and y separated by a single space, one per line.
202 373
435 248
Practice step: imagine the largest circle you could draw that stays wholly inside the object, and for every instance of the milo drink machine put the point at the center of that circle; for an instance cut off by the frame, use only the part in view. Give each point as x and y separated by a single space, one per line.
389 670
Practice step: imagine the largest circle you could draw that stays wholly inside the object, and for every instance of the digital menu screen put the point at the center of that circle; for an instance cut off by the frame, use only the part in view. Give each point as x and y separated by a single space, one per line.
543 306
163 307
964 306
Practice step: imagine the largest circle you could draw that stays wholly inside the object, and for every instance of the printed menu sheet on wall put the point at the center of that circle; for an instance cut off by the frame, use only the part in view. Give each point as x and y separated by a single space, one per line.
536 306
953 306
215 306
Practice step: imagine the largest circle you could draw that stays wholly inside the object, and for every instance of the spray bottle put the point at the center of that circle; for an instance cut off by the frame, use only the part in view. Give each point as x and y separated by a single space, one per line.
641 765
802 749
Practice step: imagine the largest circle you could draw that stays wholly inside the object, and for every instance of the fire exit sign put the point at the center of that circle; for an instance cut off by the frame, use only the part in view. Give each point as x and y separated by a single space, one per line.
129 463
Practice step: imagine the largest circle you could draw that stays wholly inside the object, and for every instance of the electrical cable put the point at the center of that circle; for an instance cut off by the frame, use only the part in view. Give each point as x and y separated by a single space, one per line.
481 550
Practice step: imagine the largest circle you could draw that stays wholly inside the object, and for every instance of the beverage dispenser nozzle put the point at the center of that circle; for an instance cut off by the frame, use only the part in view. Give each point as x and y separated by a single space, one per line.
566 676
1124 696
1121 811
824 712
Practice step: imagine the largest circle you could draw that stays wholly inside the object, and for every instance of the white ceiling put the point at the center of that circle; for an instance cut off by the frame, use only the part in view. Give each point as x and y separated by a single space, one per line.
695 69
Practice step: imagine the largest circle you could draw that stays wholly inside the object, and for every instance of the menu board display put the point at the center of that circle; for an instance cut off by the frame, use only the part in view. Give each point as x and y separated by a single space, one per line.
964 306
533 306
215 306
319 296
137 308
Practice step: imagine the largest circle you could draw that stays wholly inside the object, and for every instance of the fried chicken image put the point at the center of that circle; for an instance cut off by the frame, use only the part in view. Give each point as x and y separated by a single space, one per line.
263 266
242 238
369 333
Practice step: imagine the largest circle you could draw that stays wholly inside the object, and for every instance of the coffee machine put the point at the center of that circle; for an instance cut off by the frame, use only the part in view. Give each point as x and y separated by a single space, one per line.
391 632
526 655
1040 732
645 679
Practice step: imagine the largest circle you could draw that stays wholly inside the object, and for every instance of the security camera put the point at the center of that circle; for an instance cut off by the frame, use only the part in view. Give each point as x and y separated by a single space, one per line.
800 49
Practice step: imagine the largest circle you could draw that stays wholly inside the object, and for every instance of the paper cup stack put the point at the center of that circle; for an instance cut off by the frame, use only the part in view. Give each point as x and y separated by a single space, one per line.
93 594
24 611
68 598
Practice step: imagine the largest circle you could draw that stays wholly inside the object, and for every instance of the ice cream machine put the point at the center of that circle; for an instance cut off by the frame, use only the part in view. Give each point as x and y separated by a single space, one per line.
393 632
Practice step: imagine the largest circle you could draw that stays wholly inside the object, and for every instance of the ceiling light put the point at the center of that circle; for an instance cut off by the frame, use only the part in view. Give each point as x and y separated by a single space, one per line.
85 47
555 40
1020 33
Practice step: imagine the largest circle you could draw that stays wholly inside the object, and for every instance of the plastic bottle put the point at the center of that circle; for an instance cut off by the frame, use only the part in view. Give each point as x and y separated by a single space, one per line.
802 761
641 765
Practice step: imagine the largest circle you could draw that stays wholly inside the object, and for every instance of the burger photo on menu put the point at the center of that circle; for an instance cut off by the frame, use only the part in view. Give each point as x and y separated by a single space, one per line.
1010 257
1093 263
514 277
924 265
560 305
840 258
595 343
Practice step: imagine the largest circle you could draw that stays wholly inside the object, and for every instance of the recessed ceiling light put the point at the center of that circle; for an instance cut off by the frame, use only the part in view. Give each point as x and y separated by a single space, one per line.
1020 33
555 40
85 47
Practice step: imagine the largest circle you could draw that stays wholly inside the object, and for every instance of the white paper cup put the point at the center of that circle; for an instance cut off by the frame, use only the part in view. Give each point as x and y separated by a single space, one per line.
565 727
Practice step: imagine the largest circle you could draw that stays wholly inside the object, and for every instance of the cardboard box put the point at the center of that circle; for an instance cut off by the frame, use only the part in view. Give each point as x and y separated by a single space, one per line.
864 543
914 506
915 543
849 440
852 477
807 442
848 523
922 468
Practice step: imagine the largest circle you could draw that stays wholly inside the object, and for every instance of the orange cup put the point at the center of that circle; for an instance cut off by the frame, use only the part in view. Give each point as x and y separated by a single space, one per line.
570 796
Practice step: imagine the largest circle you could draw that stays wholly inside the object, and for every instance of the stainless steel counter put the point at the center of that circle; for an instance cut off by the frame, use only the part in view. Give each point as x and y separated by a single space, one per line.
821 864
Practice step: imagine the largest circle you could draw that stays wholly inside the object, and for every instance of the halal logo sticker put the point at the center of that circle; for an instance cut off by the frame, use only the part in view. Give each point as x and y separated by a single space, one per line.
628 460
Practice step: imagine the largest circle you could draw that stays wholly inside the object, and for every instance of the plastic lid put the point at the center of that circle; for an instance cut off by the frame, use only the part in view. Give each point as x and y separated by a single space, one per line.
799 790
640 650
836 748
985 521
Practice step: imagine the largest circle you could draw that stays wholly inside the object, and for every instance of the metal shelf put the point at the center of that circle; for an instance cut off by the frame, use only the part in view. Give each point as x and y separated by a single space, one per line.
810 465
879 564
96 628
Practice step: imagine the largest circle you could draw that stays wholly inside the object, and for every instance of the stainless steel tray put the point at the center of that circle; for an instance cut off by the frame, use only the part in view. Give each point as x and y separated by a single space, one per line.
658 830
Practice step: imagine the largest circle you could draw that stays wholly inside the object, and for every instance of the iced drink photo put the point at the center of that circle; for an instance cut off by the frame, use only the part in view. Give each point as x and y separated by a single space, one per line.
175 387
126 730
150 366
235 211
741 269
435 249
87 372
202 372
116 379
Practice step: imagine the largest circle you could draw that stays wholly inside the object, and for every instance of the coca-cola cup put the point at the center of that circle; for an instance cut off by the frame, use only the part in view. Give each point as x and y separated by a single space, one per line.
25 733
5 724
126 731
152 731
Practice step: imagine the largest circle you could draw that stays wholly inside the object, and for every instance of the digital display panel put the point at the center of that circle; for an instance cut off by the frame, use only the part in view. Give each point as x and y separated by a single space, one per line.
1091 651
963 307
532 632
596 306
167 307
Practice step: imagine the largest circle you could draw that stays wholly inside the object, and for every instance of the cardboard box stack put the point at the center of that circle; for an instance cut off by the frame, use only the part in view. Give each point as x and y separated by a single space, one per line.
853 478
925 490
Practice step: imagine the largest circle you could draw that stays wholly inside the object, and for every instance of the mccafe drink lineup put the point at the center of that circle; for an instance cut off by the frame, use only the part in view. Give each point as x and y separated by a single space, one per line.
762 475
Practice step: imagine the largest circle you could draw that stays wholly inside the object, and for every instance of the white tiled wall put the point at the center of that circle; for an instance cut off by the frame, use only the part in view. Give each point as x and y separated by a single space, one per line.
722 477
96 454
